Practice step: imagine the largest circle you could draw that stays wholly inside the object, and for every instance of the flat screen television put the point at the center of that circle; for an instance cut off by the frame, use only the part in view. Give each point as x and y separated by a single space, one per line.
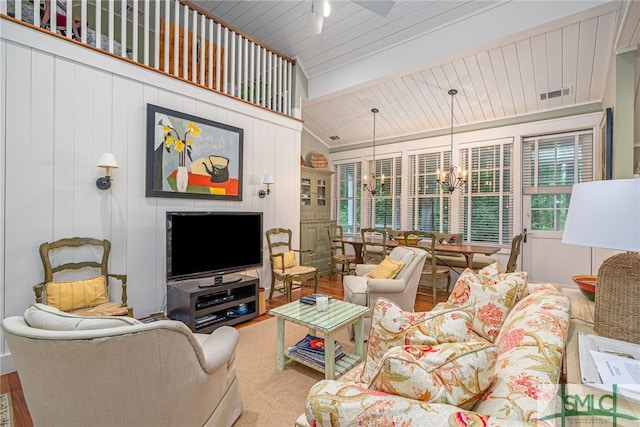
203 244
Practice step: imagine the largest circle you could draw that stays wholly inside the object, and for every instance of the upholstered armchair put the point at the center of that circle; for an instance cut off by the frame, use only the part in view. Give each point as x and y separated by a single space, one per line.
117 371
401 288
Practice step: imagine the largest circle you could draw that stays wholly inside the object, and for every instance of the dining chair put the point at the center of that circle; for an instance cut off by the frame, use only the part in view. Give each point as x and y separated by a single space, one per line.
515 251
431 267
338 253
374 244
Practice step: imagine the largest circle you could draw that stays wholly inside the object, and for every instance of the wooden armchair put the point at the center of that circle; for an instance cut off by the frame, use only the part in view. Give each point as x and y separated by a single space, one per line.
431 268
515 251
82 294
284 266
374 244
338 253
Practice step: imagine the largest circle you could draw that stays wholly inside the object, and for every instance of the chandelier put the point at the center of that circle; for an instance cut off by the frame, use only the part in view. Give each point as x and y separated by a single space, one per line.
453 177
371 183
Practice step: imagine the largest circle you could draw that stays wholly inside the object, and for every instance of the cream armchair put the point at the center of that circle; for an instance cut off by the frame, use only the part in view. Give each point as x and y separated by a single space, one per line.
402 289
117 371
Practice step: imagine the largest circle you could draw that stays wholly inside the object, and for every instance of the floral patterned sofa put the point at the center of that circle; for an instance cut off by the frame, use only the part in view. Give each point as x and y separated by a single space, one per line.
490 356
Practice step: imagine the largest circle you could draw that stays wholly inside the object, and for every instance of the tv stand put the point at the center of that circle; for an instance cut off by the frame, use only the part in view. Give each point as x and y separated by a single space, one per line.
204 305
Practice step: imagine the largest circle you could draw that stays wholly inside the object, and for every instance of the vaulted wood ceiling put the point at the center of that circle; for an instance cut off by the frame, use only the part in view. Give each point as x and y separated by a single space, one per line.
503 57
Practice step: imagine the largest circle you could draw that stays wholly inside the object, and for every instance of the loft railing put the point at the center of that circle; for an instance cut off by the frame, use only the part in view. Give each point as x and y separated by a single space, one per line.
153 33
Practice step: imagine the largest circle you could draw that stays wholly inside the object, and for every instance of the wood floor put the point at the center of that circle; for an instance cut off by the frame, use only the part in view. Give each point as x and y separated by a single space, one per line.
330 285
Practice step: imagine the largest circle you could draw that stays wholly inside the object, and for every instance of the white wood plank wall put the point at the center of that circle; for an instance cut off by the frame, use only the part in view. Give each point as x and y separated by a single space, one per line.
62 107
240 64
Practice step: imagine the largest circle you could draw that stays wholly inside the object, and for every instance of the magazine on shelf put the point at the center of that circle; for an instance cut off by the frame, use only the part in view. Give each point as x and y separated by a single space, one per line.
312 347
607 361
313 361
317 356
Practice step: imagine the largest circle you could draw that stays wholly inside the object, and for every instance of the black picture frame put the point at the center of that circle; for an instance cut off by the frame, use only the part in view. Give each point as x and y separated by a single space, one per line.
605 146
205 153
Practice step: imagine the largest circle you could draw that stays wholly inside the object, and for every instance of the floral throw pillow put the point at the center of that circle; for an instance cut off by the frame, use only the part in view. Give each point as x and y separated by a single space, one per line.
452 373
492 294
391 326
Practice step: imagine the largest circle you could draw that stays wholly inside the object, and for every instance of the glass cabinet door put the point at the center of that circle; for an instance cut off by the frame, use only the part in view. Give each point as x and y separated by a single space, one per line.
305 191
321 195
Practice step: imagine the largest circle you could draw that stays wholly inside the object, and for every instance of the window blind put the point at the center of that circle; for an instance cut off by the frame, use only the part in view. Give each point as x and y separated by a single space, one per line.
555 162
383 210
551 164
429 207
486 204
347 196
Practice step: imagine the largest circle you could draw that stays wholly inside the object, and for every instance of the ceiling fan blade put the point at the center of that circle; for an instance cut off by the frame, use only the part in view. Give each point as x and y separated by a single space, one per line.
382 8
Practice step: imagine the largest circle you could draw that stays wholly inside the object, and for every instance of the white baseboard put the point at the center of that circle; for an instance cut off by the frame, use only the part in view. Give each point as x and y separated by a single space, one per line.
6 364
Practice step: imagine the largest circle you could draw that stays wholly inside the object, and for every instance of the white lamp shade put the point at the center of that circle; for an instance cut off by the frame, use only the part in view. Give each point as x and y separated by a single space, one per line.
605 214
107 160
268 179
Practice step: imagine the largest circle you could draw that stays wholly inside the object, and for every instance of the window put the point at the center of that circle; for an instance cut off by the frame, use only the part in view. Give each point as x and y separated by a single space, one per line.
428 208
551 165
347 196
386 213
486 205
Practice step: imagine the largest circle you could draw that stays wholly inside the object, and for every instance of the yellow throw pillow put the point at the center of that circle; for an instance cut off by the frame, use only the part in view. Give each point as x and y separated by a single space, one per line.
387 269
289 260
67 296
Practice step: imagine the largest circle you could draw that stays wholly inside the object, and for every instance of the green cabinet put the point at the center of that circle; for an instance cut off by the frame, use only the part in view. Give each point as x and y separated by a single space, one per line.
315 215
315 194
314 236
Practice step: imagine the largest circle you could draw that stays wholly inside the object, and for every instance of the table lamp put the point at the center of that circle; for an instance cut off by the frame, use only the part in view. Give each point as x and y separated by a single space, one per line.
606 214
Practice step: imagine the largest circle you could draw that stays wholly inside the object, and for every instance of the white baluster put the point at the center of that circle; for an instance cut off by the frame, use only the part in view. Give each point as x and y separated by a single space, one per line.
134 31
185 45
98 18
194 48
111 25
123 28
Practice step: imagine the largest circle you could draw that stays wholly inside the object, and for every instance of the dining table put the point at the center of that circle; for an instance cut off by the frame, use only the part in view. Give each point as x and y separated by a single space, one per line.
467 250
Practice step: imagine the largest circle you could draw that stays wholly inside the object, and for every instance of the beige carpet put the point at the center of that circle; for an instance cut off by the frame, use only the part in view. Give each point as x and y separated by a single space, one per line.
271 397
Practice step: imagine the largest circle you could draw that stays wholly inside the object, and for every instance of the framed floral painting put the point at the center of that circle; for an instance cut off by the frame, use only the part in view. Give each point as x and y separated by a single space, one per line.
188 156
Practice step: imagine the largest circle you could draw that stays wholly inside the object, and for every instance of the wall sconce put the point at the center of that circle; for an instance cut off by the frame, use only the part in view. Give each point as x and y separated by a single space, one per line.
268 179
107 161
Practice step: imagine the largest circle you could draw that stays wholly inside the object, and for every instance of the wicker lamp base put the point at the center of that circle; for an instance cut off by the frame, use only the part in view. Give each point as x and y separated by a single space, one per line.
617 311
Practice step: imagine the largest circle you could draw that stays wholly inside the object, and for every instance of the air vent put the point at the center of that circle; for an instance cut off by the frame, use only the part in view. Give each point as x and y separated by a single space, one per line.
334 137
555 93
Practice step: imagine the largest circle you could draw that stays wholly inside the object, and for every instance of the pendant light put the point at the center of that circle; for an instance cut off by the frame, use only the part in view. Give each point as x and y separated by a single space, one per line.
371 183
453 177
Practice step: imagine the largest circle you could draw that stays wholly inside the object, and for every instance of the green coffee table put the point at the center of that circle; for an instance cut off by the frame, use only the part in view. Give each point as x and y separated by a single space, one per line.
339 315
